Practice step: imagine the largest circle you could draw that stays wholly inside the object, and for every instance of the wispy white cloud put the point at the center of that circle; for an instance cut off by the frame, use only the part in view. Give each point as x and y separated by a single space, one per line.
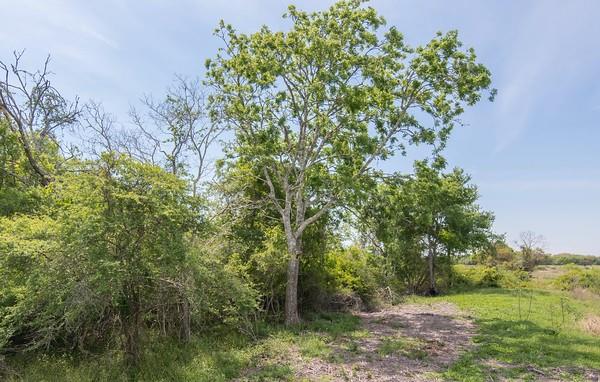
58 18
540 63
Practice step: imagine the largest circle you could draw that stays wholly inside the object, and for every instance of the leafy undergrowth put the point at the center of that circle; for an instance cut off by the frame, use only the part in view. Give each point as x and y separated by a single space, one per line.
526 335
216 357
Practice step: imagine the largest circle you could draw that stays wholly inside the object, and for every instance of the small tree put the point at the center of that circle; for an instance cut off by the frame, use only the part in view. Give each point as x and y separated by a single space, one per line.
314 107
531 249
425 216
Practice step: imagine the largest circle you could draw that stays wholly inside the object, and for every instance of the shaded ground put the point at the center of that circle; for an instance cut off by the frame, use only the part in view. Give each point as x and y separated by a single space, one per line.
406 343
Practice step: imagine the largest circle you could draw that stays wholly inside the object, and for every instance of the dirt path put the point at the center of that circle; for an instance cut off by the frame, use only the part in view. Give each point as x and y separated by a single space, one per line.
405 343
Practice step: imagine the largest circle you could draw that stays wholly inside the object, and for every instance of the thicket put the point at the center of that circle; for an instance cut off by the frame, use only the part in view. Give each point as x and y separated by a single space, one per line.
524 258
567 258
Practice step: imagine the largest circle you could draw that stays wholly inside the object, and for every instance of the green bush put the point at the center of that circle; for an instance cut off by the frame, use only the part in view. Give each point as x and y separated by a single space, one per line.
356 271
480 276
222 293
567 258
110 258
340 279
491 277
577 277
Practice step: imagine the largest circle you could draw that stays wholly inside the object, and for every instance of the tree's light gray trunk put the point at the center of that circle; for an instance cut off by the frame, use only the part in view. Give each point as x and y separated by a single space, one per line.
291 291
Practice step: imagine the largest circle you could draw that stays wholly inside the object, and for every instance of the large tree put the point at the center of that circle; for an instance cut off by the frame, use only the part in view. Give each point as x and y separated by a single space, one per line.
313 108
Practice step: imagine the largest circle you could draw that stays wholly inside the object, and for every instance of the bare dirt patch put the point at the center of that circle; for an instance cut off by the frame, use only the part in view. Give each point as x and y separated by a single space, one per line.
410 342
444 329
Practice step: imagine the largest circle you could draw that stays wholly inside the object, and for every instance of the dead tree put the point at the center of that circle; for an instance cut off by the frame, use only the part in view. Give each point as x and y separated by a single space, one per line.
531 248
177 130
35 110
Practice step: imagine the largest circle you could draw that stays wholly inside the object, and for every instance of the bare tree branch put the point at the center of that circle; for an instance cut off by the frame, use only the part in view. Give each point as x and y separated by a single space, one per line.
34 109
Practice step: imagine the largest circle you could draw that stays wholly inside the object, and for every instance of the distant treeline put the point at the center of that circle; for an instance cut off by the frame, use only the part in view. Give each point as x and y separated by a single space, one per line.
526 256
569 258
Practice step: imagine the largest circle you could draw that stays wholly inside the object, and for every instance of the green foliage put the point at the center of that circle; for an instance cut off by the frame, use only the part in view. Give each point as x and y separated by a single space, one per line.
497 253
29 297
353 271
15 200
222 292
17 191
347 268
318 87
420 221
568 258
576 277
118 254
268 267
313 107
91 268
466 277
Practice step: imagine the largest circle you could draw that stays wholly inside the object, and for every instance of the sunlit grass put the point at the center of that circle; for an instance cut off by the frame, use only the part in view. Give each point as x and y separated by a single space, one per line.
524 330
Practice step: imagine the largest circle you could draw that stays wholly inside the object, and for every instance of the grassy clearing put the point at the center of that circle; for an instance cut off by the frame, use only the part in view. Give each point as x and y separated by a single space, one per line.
209 358
524 331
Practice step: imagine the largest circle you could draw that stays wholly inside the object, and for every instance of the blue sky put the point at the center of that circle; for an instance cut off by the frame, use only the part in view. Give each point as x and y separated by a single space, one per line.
534 152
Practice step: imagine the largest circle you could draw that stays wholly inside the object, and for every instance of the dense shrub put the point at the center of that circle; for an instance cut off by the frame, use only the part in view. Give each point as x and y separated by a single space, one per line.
222 292
353 272
567 258
267 268
109 258
479 276
31 296
577 277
